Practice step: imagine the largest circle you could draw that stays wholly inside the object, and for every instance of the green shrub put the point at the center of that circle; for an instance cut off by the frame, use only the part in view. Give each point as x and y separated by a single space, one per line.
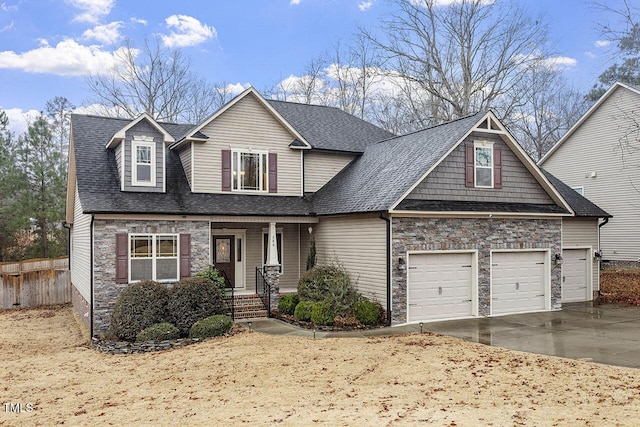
159 332
193 299
322 313
287 304
303 311
367 312
212 326
139 306
214 275
329 283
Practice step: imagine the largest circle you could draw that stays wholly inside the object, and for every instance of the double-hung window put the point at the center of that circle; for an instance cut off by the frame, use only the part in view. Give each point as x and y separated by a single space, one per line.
249 170
153 257
143 155
483 164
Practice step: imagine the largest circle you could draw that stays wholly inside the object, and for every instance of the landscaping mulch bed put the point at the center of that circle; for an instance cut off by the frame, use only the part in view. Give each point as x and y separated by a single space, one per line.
620 286
345 325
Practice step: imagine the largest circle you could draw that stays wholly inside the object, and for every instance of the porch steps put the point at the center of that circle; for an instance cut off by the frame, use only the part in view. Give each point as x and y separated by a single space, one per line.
248 307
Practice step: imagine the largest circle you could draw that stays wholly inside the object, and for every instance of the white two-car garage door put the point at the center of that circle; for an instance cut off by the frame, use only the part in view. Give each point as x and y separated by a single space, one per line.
440 286
575 275
518 281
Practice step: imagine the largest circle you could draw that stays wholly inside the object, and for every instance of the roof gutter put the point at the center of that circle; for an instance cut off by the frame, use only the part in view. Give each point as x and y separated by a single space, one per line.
388 221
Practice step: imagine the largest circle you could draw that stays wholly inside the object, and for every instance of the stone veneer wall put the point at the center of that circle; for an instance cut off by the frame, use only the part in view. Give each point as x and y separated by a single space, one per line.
482 234
619 265
105 288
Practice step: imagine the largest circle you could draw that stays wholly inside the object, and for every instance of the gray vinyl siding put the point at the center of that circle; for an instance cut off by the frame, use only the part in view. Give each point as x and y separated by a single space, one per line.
254 251
447 180
185 159
582 232
143 128
359 244
594 147
247 125
320 167
81 250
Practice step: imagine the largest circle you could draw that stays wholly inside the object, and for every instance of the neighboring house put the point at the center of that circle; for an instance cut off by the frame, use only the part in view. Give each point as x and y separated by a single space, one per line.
452 221
599 157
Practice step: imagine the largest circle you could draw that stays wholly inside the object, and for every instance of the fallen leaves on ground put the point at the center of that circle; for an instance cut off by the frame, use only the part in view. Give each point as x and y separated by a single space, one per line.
257 379
620 286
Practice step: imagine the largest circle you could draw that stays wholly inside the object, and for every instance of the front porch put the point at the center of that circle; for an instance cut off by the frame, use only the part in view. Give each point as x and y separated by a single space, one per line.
243 246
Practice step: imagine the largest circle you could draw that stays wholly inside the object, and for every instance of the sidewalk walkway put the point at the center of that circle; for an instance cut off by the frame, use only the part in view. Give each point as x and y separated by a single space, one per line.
278 327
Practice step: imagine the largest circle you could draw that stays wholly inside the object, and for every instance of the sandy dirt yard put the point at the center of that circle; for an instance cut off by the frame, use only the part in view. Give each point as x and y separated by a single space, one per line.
257 379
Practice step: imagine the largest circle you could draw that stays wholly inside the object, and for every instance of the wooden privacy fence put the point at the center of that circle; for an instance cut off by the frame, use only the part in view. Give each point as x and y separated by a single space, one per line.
35 282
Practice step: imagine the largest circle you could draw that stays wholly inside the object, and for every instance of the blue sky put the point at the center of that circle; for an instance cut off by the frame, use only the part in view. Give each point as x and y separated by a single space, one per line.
47 45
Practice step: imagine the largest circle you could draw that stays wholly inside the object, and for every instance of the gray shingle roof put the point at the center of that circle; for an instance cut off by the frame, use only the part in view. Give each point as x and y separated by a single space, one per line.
99 188
582 206
387 169
329 128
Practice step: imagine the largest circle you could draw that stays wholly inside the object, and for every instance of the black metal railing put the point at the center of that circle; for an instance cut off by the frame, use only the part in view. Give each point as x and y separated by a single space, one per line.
263 290
228 295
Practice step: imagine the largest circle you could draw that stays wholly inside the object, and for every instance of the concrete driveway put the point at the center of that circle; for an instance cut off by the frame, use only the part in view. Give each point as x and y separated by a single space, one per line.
608 333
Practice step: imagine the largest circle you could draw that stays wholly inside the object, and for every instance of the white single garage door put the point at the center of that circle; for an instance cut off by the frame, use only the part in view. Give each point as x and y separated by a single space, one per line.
575 277
517 281
439 286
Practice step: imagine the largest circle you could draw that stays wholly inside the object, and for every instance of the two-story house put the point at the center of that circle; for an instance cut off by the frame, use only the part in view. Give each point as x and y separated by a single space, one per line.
452 221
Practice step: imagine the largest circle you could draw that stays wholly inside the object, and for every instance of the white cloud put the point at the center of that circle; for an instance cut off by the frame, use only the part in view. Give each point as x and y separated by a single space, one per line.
557 62
6 8
590 54
235 88
91 10
106 34
19 119
101 110
294 2
7 27
365 5
67 58
448 2
138 21
602 43
189 31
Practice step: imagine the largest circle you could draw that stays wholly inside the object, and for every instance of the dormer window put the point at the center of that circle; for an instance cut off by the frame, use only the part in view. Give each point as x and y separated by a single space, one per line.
483 164
249 170
143 155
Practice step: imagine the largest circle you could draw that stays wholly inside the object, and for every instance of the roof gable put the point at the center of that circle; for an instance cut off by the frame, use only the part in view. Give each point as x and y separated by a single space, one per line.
120 134
388 171
196 133
587 115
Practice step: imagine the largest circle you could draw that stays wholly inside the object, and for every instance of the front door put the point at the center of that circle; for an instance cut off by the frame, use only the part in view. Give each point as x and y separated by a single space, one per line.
224 256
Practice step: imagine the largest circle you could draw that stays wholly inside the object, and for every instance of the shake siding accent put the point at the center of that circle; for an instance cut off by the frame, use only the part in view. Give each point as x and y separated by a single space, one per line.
582 232
254 248
185 159
118 153
320 167
595 147
143 128
81 251
246 125
359 244
448 180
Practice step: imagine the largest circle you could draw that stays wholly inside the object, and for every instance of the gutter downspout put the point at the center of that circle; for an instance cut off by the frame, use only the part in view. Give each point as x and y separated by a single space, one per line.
388 268
603 223
91 280
606 220
65 224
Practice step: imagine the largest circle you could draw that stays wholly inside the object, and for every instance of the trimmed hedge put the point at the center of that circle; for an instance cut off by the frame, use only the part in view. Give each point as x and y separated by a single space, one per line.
367 312
212 326
322 314
193 299
159 332
138 307
287 304
303 311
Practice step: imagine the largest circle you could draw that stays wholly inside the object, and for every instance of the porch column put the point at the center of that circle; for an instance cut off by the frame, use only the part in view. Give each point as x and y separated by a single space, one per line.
272 267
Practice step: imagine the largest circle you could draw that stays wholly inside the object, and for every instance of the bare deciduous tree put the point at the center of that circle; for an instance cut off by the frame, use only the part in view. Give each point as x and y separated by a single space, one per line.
155 80
467 56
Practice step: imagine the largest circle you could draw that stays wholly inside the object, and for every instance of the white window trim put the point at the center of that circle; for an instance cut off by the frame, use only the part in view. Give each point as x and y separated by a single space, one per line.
579 190
142 142
263 167
154 238
482 144
265 232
